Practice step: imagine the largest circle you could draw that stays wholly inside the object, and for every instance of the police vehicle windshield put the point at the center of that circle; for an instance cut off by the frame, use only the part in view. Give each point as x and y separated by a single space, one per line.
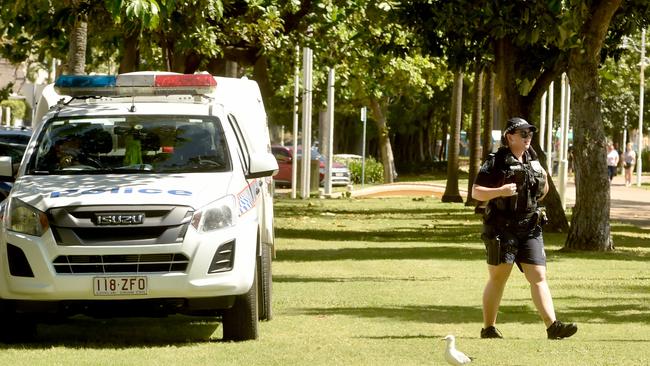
131 144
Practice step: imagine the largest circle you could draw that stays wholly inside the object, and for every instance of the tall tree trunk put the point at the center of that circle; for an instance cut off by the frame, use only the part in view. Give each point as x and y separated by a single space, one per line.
177 61
557 221
192 62
451 189
421 133
385 149
77 48
130 53
443 139
488 121
475 133
515 106
590 228
232 69
430 137
505 82
261 75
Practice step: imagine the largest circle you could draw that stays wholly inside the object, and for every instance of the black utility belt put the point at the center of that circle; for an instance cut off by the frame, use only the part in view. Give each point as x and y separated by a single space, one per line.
518 221
514 216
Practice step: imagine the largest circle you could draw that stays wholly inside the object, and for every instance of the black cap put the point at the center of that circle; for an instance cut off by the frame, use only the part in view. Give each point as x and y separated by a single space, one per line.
516 123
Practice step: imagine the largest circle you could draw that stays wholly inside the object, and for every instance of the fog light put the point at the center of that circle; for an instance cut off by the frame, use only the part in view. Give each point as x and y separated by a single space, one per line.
224 258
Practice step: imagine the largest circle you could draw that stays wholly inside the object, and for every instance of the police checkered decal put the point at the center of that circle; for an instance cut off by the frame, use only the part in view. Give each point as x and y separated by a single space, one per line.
246 200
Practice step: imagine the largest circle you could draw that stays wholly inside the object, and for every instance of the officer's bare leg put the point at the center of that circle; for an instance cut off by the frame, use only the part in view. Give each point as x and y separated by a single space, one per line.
541 294
493 292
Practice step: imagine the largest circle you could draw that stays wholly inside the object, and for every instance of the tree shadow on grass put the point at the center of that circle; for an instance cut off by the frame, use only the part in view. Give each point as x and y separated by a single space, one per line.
380 253
627 242
626 227
370 213
428 314
626 312
436 250
121 333
590 311
373 279
435 233
623 254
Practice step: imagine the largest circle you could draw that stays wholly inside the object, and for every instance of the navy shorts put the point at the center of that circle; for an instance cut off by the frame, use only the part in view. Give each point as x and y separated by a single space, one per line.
520 247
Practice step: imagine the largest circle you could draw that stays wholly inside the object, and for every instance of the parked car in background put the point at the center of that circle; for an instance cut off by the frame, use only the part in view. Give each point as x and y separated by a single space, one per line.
13 143
340 172
284 156
347 157
15 135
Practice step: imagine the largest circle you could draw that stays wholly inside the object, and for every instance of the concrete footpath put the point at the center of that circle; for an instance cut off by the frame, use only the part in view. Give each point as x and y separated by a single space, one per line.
628 204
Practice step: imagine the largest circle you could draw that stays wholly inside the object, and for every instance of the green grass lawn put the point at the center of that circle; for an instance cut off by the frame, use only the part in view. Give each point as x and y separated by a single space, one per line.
380 282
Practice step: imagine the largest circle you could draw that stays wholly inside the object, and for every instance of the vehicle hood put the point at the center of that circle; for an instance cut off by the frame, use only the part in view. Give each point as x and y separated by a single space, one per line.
193 189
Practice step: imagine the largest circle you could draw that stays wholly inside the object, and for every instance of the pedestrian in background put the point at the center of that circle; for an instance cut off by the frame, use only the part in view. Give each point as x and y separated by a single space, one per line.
629 160
612 161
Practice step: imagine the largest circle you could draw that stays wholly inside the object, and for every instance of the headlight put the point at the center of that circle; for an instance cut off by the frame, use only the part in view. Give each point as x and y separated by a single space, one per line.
216 215
26 219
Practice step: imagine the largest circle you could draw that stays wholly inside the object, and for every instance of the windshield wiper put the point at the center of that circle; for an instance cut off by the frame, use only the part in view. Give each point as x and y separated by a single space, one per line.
134 168
129 170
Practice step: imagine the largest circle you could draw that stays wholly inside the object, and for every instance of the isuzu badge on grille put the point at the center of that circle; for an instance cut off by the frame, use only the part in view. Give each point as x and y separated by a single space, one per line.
120 219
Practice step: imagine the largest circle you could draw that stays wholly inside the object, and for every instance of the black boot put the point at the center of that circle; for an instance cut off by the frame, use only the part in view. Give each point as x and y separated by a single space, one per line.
491 332
559 330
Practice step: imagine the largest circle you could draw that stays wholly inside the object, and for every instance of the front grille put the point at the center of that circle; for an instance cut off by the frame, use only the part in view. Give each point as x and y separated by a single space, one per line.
121 263
77 225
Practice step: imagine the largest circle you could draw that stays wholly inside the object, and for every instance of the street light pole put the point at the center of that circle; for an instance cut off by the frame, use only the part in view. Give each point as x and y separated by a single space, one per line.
640 135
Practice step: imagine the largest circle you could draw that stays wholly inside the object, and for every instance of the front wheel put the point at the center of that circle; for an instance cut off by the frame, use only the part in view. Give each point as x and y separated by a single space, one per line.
240 321
265 284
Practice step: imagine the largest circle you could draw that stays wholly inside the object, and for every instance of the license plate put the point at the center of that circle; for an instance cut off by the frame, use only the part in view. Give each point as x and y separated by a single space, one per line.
127 285
338 174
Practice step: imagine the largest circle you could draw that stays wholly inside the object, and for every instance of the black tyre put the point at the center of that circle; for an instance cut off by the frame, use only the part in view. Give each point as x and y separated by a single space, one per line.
240 321
265 287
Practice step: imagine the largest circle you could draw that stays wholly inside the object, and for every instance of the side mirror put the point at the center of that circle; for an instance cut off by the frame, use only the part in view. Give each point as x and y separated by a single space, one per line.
262 165
6 169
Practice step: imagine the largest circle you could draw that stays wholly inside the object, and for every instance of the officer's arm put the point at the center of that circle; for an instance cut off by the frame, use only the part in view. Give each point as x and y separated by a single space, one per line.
482 193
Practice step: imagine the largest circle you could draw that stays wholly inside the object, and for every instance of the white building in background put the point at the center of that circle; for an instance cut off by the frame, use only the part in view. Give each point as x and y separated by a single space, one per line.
10 73
22 88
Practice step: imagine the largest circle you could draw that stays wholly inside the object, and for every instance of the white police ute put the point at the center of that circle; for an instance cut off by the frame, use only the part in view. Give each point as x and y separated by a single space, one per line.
141 194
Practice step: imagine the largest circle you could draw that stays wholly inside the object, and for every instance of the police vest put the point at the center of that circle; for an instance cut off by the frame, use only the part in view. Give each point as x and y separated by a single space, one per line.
530 180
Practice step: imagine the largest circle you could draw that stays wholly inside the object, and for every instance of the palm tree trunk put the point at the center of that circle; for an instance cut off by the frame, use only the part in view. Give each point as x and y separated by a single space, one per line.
451 190
77 48
488 121
475 133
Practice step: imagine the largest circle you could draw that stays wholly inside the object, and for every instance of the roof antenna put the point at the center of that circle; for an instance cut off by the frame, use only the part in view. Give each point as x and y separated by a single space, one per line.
132 109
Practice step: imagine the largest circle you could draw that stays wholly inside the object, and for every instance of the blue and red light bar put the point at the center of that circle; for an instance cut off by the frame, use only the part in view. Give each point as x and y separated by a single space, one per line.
136 84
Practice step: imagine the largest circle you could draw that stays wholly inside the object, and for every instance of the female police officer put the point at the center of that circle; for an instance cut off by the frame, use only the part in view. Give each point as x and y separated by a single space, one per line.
513 181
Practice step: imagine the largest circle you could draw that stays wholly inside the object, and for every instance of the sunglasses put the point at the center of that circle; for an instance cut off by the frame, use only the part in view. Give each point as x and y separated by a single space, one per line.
525 134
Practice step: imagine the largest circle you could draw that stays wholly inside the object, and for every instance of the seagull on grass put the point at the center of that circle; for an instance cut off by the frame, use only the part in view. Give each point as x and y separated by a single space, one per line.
454 356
